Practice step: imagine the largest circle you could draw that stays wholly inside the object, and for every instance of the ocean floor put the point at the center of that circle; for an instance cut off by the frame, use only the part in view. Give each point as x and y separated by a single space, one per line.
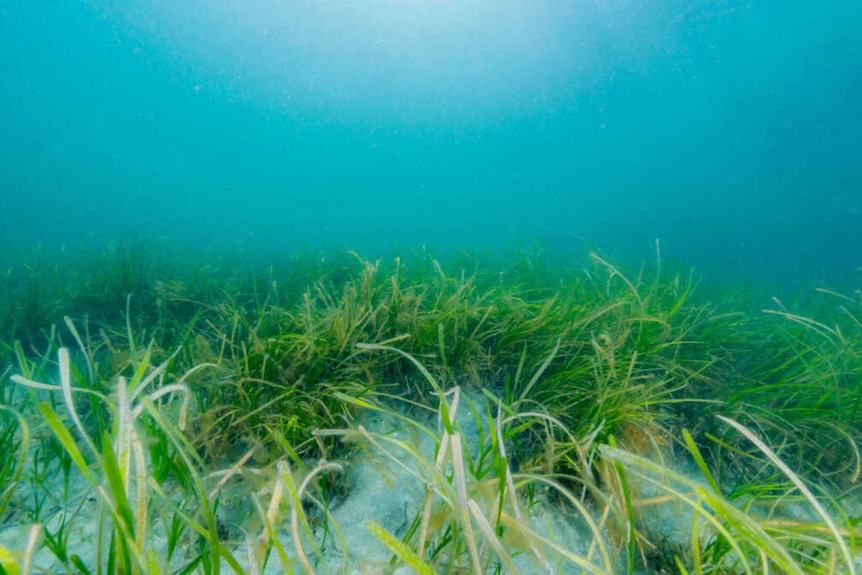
386 488
637 429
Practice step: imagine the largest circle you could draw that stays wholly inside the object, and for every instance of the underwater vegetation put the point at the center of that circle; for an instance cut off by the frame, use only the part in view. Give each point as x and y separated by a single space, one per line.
166 414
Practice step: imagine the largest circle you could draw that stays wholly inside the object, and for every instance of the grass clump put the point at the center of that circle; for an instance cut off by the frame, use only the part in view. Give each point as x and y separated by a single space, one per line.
526 417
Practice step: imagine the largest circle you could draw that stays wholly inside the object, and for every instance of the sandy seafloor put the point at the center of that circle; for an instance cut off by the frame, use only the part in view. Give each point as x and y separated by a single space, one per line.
392 501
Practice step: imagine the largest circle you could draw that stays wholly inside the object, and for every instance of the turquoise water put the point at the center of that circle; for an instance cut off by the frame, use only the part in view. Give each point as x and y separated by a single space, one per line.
728 129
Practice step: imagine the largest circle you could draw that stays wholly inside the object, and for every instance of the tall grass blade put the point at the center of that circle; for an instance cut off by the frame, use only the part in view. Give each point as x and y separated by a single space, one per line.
399 549
797 481
23 450
59 428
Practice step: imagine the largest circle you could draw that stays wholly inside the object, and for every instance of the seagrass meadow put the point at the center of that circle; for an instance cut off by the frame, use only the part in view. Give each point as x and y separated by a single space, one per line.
331 412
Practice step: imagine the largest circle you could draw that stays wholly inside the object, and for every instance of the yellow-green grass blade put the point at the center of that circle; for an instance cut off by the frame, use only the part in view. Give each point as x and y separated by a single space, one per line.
297 515
10 559
59 428
444 406
630 512
23 450
116 483
542 368
461 489
66 384
797 481
701 463
71 325
399 549
118 503
193 462
9 564
722 510
271 517
490 537
66 389
563 551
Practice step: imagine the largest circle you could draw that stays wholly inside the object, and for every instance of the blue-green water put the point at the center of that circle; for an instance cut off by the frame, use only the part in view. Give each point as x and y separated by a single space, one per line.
731 130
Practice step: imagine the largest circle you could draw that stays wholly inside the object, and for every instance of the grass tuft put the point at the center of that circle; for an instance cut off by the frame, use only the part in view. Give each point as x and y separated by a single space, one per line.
535 417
